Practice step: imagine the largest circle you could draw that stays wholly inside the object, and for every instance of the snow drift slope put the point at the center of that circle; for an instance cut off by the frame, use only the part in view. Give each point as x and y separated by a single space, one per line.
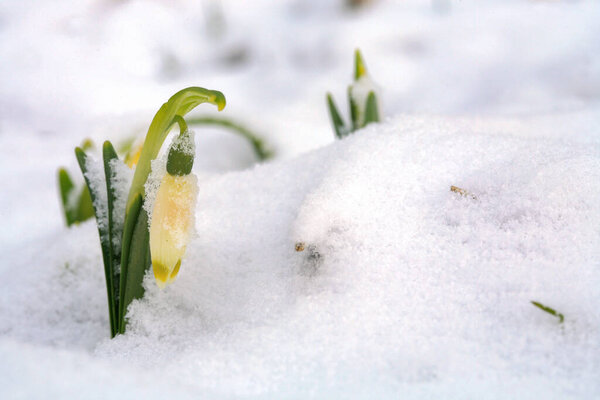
402 286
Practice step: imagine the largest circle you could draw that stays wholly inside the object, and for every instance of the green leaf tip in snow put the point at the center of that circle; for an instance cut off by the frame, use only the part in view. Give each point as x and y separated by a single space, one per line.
87 144
360 69
549 310
363 104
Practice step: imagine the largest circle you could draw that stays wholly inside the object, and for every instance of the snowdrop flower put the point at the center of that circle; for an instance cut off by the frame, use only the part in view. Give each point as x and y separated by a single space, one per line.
173 211
363 99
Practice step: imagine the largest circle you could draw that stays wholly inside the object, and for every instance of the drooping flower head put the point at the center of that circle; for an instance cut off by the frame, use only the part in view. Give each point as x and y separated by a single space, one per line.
173 211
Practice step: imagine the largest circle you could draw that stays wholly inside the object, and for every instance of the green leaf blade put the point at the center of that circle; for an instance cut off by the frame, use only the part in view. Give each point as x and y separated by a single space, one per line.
371 109
336 119
135 258
103 232
112 275
66 186
354 113
85 208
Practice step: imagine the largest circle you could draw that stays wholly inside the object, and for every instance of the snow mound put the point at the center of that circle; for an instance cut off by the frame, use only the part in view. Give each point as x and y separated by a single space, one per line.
401 284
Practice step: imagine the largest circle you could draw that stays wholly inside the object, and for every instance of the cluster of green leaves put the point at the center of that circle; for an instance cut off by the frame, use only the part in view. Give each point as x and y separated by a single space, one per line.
370 108
125 266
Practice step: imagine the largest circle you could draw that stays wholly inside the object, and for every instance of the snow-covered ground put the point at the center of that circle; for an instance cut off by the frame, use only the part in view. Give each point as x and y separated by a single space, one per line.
404 289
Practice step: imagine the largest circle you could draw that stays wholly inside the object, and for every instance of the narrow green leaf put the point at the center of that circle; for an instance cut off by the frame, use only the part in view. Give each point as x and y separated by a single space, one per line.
371 109
336 119
112 277
105 244
260 148
549 310
66 186
360 69
135 258
353 111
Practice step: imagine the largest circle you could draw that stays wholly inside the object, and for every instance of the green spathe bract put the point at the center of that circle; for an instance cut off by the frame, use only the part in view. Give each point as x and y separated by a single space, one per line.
181 154
125 267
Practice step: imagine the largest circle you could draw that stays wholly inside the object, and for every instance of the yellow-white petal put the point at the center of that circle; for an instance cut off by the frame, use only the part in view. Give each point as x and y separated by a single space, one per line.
172 223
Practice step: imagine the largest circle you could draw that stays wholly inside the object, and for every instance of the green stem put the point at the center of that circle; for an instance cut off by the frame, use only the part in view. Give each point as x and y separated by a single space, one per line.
182 125
258 145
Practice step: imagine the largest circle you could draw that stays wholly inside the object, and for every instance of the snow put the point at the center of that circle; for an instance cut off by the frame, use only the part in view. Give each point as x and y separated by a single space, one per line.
402 286
96 177
184 144
121 181
157 172
416 287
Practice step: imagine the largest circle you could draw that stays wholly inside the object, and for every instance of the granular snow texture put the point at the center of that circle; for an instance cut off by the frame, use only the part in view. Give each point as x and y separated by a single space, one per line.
403 286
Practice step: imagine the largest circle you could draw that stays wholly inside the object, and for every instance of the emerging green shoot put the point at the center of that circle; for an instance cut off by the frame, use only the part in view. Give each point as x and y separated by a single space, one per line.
550 311
360 69
363 102
76 201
